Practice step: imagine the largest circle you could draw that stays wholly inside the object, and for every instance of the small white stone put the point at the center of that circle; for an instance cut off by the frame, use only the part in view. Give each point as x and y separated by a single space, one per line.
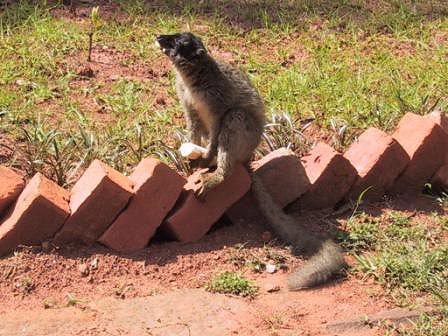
83 269
270 268
94 263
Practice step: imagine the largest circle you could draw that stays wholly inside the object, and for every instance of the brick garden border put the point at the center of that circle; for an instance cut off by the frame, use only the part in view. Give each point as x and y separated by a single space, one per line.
124 213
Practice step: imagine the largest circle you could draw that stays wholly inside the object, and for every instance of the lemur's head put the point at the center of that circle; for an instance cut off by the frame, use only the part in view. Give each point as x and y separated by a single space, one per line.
183 49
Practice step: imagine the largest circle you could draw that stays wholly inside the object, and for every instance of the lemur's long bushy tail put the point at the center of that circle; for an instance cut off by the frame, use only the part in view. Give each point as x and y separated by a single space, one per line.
319 268
327 257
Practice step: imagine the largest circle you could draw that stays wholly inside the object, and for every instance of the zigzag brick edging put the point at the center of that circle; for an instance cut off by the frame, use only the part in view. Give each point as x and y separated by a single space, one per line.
156 189
101 195
331 176
191 219
11 184
284 178
96 200
378 159
39 212
426 144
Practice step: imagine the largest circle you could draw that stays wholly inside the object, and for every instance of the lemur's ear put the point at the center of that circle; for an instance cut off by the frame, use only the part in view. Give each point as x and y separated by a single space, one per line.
200 52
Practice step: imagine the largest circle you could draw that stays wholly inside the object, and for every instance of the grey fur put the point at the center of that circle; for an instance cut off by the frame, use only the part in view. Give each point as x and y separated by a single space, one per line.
223 109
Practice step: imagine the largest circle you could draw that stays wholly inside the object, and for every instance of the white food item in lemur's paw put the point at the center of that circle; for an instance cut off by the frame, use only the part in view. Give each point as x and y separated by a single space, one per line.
192 151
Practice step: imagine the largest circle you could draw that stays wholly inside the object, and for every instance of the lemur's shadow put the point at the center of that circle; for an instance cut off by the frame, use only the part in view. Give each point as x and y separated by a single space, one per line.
162 250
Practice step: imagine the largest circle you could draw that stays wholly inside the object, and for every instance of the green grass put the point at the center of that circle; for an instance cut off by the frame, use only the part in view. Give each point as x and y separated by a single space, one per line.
425 325
348 64
408 257
232 283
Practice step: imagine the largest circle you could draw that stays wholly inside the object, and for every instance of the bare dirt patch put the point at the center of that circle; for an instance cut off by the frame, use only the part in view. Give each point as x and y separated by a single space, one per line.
108 66
160 290
195 312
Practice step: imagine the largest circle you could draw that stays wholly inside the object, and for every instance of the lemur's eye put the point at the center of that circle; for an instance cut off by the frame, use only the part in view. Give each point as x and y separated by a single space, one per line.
185 43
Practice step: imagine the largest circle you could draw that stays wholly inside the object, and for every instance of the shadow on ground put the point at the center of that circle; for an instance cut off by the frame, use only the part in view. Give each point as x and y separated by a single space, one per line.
252 14
324 224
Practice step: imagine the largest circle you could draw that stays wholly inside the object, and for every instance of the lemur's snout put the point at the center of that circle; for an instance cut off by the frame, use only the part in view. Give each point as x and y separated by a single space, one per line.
165 41
160 39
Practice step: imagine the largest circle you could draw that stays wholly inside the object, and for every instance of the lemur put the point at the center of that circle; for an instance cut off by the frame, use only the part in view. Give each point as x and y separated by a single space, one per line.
224 112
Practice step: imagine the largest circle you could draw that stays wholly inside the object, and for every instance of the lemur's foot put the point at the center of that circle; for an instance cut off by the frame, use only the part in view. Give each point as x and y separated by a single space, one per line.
202 186
199 187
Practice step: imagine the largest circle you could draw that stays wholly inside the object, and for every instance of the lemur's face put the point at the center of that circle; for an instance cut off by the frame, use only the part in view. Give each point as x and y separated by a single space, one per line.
182 49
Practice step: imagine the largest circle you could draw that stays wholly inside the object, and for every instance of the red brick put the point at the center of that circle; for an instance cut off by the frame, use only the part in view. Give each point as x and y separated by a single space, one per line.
439 118
331 176
439 181
245 210
38 214
426 144
96 200
378 159
191 218
284 178
11 184
156 190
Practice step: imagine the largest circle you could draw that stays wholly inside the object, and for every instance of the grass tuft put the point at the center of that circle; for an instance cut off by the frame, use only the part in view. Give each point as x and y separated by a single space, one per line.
232 283
401 253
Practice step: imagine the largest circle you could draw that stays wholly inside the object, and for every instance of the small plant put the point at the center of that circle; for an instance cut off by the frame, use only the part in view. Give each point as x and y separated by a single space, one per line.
398 219
363 232
95 24
275 322
282 131
72 300
120 291
257 266
238 256
341 134
49 303
27 285
439 194
171 154
443 199
232 283
50 151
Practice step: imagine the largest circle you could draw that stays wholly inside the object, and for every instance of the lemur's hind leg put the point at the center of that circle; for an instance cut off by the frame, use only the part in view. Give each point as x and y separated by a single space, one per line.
235 145
208 181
